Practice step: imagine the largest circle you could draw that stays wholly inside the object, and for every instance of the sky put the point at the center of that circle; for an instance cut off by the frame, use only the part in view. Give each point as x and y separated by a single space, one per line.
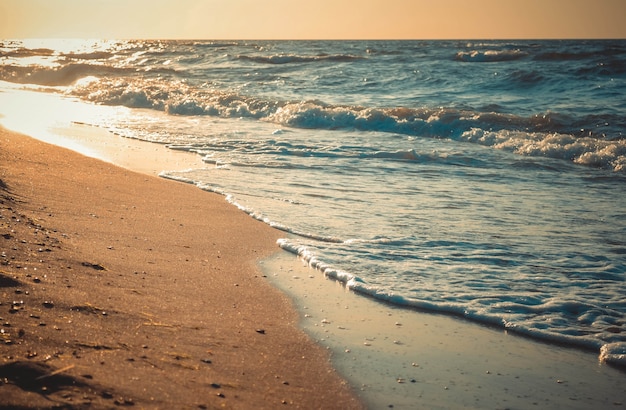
313 19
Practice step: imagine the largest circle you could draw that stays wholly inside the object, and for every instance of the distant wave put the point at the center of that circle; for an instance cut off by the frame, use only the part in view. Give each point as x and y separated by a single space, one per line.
57 76
291 58
214 44
96 55
476 56
27 52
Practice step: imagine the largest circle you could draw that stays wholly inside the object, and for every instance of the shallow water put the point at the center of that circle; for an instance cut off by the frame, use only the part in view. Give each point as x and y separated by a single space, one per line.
398 358
484 180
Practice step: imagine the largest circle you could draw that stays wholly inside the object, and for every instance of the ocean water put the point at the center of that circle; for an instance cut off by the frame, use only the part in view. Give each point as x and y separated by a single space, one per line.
483 179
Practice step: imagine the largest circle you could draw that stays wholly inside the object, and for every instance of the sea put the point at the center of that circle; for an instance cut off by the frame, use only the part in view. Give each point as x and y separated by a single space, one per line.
480 179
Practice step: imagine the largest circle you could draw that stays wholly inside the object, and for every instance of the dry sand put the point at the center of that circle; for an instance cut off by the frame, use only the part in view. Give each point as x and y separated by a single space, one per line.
122 289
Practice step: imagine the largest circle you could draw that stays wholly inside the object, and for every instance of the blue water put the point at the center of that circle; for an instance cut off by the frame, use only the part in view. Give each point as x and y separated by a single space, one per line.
482 179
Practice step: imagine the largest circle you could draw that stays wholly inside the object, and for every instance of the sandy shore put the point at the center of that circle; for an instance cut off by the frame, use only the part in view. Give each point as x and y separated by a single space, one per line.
122 289
146 292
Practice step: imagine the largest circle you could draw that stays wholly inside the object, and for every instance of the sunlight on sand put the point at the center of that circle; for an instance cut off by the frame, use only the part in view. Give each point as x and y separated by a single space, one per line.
67 123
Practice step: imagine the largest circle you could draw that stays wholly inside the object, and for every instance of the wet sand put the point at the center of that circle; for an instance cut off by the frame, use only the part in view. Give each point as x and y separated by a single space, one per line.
120 288
405 359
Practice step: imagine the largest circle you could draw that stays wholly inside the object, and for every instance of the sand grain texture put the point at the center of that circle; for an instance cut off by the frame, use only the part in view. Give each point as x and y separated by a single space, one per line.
122 289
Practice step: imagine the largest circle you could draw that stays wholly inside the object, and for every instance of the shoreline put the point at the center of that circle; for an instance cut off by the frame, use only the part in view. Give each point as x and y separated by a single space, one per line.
403 358
120 288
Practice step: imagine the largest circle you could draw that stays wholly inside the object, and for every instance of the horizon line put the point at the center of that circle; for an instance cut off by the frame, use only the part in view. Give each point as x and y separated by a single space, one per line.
317 39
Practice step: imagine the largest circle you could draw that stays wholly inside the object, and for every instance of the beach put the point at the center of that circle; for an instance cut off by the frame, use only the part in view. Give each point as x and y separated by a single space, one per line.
110 300
107 302
313 224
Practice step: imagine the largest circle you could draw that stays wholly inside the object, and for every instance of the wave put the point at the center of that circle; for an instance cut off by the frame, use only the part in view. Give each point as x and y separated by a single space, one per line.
26 52
487 56
580 150
57 76
592 140
212 44
292 58
550 135
96 55
279 149
609 351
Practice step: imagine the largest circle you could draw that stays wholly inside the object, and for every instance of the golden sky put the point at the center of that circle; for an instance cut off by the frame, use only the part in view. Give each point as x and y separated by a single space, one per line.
313 19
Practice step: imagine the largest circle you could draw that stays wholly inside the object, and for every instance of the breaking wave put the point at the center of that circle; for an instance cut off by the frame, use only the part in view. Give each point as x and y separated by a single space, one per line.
550 135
